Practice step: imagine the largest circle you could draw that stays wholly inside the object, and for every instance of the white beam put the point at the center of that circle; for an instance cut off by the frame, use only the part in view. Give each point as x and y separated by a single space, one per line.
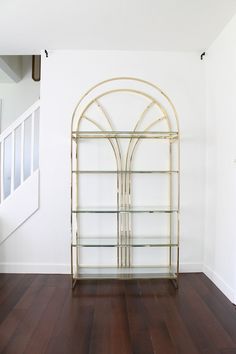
10 68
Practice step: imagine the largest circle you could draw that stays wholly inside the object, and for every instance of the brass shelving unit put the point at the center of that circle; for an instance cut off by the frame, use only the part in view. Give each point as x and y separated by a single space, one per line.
124 241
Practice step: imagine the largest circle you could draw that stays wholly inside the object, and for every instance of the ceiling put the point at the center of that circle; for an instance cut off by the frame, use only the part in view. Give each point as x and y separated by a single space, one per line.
27 26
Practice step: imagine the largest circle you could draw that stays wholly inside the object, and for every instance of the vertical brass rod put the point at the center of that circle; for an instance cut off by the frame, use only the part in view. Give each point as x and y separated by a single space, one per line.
71 265
71 206
77 206
129 220
177 270
178 214
118 220
170 204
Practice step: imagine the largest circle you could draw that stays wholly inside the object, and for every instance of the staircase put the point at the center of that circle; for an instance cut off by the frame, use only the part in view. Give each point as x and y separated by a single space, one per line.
19 171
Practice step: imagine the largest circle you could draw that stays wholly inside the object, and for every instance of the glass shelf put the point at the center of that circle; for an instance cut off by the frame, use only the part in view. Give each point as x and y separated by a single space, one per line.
130 172
107 210
135 242
125 273
124 134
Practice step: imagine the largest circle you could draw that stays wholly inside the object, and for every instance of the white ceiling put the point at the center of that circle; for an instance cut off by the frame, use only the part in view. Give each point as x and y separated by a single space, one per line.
27 26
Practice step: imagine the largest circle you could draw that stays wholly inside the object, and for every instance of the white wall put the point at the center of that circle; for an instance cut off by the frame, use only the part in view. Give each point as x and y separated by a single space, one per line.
10 68
220 244
17 97
43 243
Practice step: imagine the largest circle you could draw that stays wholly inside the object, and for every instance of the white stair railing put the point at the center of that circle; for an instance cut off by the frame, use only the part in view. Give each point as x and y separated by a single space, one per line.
19 151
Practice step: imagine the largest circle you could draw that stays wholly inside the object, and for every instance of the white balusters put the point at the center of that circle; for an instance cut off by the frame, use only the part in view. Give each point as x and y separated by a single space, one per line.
12 160
22 152
32 144
15 165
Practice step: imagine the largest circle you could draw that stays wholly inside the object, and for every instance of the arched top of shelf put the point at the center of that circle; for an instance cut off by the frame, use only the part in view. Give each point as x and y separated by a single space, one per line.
157 112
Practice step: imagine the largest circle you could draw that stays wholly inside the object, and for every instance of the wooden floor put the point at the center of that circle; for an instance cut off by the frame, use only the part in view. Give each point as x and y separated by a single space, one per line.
40 314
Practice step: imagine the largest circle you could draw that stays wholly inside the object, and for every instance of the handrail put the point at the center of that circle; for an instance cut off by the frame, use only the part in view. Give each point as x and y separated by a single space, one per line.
19 152
19 120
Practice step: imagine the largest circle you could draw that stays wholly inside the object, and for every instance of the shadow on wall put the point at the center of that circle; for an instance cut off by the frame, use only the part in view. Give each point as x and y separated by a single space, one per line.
17 89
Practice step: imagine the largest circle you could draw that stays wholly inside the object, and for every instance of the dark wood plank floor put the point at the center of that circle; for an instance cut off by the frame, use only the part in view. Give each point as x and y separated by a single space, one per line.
40 314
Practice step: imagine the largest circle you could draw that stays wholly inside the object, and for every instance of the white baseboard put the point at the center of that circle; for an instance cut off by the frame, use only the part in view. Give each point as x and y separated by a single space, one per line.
58 268
40 268
227 290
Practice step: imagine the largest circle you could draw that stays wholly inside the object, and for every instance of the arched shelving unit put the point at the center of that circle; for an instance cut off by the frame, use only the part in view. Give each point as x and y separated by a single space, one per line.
115 122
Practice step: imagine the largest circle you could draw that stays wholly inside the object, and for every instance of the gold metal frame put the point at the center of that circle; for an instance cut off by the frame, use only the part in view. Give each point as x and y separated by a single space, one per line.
124 244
